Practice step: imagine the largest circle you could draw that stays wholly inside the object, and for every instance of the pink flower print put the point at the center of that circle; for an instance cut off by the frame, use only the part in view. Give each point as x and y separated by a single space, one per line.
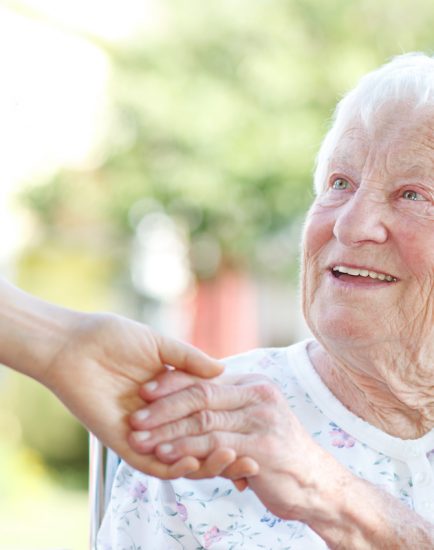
182 511
139 490
212 535
341 439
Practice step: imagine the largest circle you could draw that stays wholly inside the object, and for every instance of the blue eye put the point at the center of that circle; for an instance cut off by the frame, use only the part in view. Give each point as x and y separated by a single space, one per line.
340 184
413 196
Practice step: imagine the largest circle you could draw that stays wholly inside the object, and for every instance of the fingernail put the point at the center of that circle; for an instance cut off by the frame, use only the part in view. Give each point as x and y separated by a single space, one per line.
142 415
166 448
151 386
141 436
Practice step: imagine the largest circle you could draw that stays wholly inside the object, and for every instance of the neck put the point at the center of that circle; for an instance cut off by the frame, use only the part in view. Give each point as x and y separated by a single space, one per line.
388 386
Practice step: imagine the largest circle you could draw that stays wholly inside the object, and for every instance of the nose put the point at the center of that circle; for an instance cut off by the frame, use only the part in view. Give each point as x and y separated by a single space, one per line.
361 219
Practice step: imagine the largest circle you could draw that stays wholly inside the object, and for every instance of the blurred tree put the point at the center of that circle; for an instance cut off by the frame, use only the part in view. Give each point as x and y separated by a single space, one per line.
48 429
217 113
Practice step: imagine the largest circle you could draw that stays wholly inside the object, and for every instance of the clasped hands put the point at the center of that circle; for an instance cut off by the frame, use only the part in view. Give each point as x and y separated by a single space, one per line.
196 423
239 427
202 420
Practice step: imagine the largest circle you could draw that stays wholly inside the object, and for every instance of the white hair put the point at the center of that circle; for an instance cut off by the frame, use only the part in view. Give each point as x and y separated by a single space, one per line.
408 77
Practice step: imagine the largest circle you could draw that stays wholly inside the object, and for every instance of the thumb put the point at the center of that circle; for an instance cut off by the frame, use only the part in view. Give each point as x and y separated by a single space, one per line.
186 357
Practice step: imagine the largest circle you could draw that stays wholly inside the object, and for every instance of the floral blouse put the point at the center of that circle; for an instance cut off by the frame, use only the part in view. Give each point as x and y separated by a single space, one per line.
146 513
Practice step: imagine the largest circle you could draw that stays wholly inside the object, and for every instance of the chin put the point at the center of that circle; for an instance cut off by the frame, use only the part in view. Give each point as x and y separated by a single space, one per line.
345 329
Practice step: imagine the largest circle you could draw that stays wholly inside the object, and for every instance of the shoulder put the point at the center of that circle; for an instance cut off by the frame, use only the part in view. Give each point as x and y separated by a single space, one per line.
264 360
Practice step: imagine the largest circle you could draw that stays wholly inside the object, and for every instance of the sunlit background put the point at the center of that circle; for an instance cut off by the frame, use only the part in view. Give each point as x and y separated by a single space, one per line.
156 160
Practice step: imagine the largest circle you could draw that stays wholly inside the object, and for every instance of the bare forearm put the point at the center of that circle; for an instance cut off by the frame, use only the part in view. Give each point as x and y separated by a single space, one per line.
31 330
369 518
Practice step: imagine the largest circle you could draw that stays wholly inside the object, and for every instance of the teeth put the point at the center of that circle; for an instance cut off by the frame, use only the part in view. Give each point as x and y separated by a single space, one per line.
364 273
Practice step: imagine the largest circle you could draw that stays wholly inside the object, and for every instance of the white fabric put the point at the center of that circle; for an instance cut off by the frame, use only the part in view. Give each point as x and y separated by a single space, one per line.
146 513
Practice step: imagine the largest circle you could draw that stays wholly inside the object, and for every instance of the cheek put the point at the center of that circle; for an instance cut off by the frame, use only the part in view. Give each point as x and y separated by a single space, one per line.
317 234
416 250
318 231
416 246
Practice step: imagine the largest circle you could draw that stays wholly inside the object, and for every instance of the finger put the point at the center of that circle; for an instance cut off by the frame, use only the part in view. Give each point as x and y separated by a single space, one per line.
201 446
151 465
241 484
144 441
187 465
218 461
166 383
201 396
218 464
185 357
239 472
243 467
172 381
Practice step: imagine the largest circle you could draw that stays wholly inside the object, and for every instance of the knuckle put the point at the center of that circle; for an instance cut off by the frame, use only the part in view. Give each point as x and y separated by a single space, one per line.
169 431
266 392
270 415
203 391
265 419
204 420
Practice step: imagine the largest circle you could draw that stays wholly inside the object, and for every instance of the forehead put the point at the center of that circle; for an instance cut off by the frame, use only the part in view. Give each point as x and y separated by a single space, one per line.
401 139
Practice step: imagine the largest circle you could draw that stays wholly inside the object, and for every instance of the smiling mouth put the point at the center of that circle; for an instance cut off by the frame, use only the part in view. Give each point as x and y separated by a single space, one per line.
339 270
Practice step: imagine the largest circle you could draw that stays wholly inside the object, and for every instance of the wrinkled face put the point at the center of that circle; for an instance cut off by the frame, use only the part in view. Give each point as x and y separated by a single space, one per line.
368 249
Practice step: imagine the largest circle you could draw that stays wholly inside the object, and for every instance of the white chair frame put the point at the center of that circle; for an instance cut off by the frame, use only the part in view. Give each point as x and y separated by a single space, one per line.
102 469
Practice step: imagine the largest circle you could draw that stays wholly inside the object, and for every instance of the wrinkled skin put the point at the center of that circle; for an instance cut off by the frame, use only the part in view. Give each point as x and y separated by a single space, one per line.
377 212
375 339
250 415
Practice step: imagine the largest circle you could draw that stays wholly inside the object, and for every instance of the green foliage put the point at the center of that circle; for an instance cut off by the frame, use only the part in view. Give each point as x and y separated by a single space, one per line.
63 273
216 116
48 428
217 113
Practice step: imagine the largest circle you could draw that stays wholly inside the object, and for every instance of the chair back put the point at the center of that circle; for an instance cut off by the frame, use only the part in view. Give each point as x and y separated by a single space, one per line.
96 487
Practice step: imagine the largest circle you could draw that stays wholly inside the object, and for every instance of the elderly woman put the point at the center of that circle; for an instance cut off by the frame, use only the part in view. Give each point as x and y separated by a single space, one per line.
335 434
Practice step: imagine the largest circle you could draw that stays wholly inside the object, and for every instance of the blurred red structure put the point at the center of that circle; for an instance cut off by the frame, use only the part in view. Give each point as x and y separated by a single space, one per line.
224 314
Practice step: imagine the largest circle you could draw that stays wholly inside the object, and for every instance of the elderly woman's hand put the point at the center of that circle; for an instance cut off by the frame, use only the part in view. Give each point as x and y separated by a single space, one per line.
248 414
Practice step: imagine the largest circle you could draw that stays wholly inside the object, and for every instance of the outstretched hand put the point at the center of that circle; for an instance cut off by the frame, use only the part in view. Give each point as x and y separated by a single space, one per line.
99 371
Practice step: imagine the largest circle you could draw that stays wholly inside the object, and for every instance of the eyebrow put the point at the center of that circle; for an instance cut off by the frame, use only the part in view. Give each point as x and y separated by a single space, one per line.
344 160
415 169
410 164
341 163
